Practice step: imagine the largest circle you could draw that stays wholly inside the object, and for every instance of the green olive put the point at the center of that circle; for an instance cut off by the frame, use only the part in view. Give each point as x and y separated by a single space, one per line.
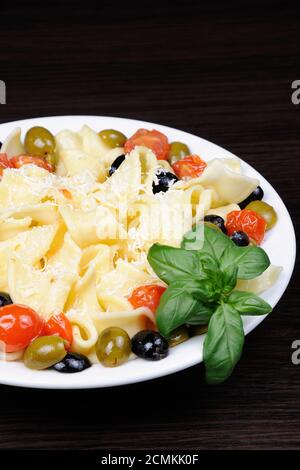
52 159
265 210
178 150
44 352
113 346
39 142
196 330
178 336
113 138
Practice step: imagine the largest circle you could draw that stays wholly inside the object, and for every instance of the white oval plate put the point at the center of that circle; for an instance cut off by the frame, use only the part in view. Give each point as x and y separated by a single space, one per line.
186 354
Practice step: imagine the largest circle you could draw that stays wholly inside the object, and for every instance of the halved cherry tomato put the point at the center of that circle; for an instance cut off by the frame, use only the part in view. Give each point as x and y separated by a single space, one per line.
154 140
21 160
188 167
19 325
250 222
59 325
4 163
146 296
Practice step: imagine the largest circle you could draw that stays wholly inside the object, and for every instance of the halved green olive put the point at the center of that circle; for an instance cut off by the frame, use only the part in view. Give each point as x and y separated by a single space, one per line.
44 352
39 142
178 336
196 330
265 210
113 138
113 346
52 159
177 151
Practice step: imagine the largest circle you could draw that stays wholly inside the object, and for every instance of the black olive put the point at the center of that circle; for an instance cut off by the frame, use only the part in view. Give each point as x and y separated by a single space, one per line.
165 180
5 299
149 345
256 195
72 362
240 238
217 220
115 165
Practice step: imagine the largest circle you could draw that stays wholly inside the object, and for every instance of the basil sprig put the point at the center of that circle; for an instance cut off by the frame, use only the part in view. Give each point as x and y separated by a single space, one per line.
201 277
173 264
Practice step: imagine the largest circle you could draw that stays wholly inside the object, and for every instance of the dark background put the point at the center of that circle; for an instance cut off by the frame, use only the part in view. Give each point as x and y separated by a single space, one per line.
211 69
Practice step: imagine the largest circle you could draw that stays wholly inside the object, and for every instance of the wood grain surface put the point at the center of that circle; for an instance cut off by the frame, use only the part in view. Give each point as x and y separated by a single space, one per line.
210 69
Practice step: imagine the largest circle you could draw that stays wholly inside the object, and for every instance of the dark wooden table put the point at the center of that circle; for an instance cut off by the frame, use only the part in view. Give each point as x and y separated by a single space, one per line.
211 70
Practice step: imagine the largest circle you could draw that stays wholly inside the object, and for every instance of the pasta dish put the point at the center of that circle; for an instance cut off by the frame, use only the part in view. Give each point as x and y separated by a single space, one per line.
98 261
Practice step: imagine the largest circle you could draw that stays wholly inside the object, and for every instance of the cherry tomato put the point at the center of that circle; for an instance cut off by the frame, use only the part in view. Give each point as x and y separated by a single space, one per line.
154 140
146 296
19 325
4 163
21 160
250 222
188 167
59 325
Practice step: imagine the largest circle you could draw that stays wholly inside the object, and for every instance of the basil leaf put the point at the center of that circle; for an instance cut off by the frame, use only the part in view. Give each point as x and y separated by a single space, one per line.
173 264
203 290
194 238
251 260
207 260
248 303
210 289
206 289
202 316
207 240
229 278
178 307
223 343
